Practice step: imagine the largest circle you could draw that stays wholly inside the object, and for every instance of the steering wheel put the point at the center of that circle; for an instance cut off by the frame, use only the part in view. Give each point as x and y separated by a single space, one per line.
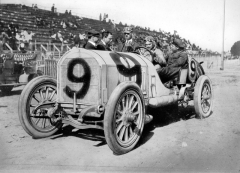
139 51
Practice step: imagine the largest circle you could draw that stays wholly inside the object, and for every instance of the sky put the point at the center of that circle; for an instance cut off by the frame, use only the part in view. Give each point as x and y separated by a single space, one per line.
200 21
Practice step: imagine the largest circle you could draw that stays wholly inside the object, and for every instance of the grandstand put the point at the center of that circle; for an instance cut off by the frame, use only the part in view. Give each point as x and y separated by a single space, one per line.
25 17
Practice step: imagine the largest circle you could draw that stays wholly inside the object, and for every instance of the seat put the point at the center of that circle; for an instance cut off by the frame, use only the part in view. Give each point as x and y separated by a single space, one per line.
182 76
179 79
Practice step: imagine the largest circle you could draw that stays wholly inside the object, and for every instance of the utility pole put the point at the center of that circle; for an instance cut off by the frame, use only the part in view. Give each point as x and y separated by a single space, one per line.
222 58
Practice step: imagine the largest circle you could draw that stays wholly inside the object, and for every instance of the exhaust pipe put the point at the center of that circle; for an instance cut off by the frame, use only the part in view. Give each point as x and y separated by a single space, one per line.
162 101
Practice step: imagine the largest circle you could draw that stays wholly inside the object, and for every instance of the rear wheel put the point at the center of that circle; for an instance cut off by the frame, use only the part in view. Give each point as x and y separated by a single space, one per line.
203 96
33 117
124 118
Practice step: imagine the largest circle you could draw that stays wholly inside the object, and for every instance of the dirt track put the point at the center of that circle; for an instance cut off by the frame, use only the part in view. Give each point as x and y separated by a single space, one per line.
188 145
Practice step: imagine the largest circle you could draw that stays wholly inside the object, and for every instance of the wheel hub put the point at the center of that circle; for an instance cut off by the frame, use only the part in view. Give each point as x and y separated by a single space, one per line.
128 117
206 96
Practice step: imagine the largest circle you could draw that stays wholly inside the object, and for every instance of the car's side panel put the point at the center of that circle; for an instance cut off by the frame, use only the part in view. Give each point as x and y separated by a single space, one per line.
122 67
155 85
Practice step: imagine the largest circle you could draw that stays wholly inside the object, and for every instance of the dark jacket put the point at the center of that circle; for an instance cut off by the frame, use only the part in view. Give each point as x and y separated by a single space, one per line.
177 59
52 9
127 47
90 46
76 39
102 46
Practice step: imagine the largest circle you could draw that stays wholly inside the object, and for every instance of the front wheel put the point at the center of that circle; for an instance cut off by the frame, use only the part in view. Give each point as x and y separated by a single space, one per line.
33 117
203 96
124 118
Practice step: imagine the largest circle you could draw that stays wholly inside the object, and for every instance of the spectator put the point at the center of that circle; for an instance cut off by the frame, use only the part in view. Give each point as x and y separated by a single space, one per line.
35 7
18 37
80 40
129 44
58 37
52 24
52 9
93 37
24 34
4 38
66 13
70 38
105 41
51 32
25 37
70 24
24 6
77 40
22 47
83 39
38 21
11 34
118 43
29 38
43 22
1 26
70 13
64 25
16 26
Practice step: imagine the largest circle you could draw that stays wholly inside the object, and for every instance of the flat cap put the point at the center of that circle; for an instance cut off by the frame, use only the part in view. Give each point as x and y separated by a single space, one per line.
93 33
178 43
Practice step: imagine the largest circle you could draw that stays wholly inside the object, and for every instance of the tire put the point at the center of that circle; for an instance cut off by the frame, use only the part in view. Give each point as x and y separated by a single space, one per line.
203 97
36 91
123 128
6 89
32 76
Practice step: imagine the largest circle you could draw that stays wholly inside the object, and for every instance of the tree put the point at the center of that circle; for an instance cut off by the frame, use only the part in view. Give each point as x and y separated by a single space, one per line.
100 17
235 49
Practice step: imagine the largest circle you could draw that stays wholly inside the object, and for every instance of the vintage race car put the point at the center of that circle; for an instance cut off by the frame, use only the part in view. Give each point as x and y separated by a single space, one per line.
17 69
110 91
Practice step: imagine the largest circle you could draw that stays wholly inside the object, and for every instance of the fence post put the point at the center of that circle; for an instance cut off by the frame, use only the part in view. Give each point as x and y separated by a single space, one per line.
61 47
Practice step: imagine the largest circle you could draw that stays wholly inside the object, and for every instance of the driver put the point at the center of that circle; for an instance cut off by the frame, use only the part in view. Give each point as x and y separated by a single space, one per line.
175 61
155 55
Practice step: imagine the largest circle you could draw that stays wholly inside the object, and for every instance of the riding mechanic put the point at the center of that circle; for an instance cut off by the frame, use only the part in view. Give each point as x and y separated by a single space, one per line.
176 60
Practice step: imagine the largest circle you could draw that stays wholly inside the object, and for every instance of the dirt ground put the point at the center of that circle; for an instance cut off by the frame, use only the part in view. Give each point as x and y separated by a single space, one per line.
187 145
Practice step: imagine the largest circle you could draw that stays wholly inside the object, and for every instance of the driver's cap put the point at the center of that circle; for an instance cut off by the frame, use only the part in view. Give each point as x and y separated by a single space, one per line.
149 39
